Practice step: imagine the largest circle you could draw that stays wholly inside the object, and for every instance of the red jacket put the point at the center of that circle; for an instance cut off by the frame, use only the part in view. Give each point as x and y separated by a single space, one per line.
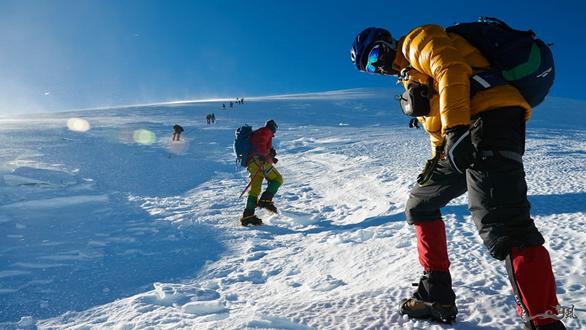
262 143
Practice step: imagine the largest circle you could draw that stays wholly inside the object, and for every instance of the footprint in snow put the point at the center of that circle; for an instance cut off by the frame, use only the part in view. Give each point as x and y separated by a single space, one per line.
164 295
201 308
255 256
197 301
290 196
300 218
326 283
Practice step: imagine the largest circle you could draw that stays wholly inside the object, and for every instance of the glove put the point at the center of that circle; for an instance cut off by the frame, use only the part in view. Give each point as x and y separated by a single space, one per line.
275 160
459 149
273 152
427 173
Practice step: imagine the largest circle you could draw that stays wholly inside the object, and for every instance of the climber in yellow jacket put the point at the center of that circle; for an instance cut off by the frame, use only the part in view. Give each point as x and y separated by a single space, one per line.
477 146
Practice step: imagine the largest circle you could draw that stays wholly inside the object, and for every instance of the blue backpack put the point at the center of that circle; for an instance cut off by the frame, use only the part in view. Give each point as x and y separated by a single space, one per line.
516 57
242 144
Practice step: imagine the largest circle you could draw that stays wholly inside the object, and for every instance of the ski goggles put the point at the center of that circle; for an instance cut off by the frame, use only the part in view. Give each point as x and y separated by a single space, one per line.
380 59
373 58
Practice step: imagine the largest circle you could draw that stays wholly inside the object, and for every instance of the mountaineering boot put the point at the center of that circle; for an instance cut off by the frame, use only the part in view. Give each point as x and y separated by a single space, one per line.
433 299
248 218
416 308
268 205
266 202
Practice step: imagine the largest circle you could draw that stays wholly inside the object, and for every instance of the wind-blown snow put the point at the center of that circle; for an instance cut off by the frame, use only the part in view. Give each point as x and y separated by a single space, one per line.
100 229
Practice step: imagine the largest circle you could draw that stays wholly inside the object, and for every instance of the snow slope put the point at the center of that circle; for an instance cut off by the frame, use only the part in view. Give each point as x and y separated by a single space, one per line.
116 227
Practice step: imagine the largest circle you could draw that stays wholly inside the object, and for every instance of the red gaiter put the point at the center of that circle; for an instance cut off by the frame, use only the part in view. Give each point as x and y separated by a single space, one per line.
432 246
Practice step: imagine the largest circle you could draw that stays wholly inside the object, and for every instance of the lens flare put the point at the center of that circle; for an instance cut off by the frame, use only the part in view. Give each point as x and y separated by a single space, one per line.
144 136
78 125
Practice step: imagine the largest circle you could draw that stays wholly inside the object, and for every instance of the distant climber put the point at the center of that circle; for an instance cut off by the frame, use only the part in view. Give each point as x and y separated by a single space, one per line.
177 129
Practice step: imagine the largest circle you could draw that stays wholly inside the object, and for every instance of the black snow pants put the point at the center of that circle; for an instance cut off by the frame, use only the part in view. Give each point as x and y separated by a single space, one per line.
497 191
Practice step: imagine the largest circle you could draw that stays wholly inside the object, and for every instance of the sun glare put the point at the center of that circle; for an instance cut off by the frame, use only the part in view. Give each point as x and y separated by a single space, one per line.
78 125
144 136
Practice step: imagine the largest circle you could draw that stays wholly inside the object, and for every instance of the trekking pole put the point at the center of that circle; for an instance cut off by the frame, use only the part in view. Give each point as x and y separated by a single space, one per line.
253 177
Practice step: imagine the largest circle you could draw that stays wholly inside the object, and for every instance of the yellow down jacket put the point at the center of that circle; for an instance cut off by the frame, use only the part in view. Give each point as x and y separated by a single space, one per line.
449 60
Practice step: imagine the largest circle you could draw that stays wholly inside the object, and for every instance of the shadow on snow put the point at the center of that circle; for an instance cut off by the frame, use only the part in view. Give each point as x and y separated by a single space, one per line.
73 258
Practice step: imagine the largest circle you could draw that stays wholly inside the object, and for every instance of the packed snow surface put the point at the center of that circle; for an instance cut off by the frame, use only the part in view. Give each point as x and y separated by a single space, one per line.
105 223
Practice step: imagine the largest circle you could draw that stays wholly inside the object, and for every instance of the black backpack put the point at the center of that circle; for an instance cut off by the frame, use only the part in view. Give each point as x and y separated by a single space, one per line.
516 57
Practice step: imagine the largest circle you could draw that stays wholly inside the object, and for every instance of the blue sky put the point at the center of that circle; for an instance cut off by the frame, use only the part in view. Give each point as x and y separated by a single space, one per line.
57 55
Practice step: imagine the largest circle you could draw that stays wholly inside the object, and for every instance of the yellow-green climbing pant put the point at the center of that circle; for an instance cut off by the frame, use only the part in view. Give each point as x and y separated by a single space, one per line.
269 172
